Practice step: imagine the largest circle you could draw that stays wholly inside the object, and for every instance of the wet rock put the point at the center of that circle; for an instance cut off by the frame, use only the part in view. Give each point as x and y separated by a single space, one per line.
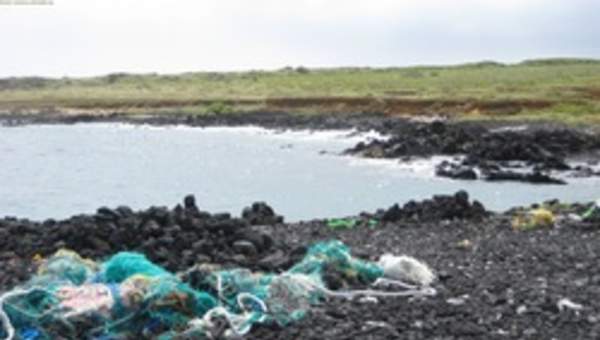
159 214
441 207
100 245
489 150
245 248
189 202
274 261
49 223
202 247
221 216
167 241
261 240
225 226
191 223
582 171
124 211
394 213
261 213
151 227
535 177
455 171
4 234
444 275
106 214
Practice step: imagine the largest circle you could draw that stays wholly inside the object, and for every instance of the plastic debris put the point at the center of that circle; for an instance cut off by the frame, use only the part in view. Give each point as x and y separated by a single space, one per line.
542 217
406 268
465 244
534 219
568 304
348 223
458 301
30 334
341 223
378 324
369 299
128 296
85 298
593 212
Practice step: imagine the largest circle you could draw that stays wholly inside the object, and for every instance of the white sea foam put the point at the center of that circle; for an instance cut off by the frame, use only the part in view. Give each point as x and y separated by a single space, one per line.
417 167
346 135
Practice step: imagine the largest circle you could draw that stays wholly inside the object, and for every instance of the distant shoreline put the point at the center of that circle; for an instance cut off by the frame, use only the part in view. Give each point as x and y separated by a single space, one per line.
557 90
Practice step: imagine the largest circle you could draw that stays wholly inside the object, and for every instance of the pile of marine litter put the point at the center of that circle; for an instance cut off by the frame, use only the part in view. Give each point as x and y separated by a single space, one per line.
128 296
551 213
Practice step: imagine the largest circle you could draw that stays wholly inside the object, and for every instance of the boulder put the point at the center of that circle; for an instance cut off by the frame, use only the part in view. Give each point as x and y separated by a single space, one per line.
535 177
245 248
455 171
261 213
440 207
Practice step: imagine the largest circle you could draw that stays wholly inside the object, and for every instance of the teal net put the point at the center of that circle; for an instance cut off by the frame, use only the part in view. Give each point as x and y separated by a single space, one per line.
125 265
335 254
128 296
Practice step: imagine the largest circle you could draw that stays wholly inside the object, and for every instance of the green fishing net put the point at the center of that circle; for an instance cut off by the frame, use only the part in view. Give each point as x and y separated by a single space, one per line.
128 296
592 213
348 223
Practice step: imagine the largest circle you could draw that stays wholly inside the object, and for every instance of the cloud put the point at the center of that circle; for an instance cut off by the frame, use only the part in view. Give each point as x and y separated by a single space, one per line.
76 37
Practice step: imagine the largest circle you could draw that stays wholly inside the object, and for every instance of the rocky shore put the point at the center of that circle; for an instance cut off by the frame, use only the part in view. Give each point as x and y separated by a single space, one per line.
493 281
272 120
533 154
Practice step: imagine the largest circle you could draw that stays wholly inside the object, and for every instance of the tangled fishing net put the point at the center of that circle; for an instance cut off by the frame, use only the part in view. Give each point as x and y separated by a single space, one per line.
130 297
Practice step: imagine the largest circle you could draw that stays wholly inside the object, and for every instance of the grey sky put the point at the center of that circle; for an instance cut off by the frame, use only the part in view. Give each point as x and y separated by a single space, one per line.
91 37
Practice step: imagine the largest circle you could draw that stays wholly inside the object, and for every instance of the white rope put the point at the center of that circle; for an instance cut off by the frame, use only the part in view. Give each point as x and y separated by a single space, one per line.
237 323
389 282
306 281
6 323
425 291
242 296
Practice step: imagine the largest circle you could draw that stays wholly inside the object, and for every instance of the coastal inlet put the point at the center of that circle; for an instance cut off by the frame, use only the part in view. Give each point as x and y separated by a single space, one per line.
54 171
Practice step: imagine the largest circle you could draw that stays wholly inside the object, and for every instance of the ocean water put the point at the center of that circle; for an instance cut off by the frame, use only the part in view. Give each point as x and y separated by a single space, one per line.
55 171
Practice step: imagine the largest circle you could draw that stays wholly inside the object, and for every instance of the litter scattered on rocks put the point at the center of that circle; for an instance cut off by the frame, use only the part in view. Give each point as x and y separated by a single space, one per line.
534 219
501 271
564 304
128 296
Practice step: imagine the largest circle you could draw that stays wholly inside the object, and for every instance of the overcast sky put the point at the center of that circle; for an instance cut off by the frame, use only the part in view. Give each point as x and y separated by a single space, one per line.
92 37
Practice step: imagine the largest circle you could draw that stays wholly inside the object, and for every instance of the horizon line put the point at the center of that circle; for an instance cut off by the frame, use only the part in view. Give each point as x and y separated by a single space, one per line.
481 62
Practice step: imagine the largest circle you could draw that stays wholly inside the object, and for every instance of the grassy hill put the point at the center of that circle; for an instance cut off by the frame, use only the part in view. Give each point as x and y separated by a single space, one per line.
561 89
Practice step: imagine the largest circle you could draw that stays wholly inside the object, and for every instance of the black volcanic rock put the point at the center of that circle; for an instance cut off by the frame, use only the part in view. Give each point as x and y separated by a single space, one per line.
440 207
261 213
544 149
534 177
456 171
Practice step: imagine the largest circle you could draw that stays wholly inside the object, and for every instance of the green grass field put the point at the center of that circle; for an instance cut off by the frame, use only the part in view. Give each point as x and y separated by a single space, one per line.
564 89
